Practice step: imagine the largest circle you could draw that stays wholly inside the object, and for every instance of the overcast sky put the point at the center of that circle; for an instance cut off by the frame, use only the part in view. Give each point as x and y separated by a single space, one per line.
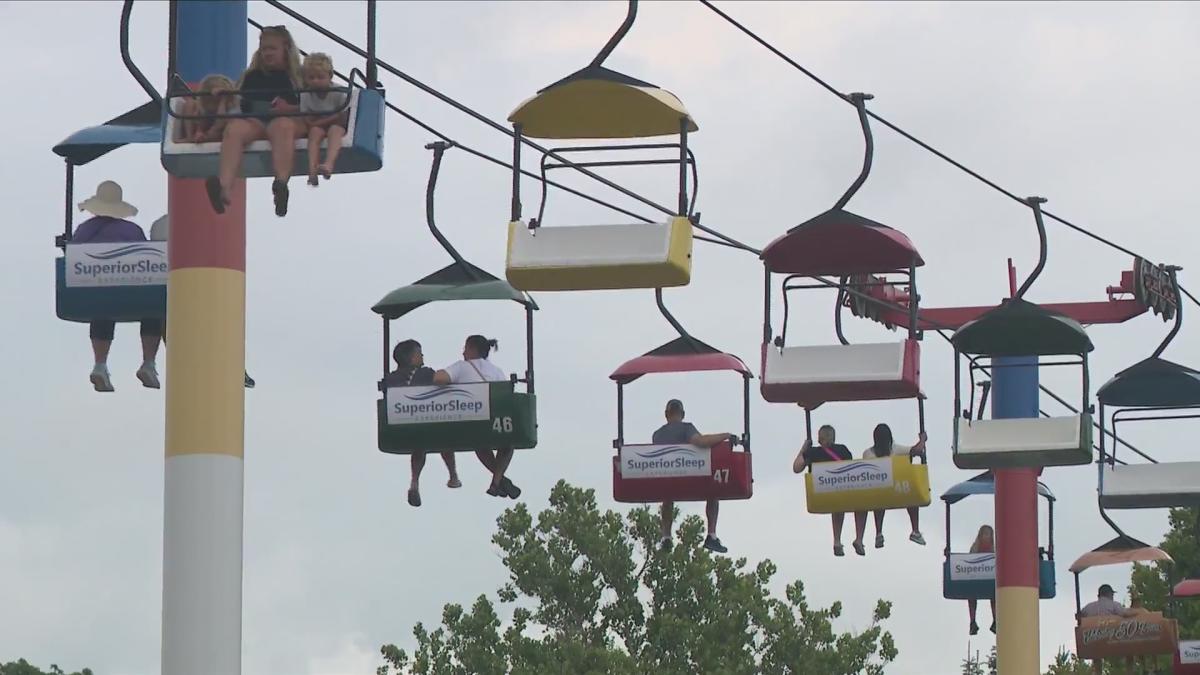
1085 104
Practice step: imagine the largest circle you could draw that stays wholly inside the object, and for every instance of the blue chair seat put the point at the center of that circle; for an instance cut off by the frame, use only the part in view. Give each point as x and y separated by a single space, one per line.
972 576
362 147
107 303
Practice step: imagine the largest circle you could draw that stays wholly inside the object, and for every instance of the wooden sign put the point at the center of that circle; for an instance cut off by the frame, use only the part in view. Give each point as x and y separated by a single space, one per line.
1146 634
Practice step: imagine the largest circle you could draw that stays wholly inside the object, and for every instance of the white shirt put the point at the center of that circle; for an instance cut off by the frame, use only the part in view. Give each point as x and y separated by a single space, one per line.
311 103
465 371
901 450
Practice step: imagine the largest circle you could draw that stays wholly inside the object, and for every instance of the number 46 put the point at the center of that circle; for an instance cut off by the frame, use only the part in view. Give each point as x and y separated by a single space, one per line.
502 425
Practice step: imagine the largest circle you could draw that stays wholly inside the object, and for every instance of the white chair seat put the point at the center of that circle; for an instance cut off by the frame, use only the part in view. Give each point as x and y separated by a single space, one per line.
1150 486
877 362
592 257
1024 442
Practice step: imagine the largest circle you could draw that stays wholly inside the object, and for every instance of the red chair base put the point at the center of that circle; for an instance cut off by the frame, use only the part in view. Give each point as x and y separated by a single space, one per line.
732 478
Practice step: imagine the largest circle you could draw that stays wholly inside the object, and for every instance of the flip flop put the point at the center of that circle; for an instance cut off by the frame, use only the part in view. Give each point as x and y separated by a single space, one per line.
280 190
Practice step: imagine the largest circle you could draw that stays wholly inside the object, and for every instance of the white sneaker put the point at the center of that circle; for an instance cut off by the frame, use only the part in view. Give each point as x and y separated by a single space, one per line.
148 375
100 379
916 538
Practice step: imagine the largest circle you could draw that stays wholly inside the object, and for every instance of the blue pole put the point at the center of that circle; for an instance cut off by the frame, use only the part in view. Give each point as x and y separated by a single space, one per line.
1015 395
205 406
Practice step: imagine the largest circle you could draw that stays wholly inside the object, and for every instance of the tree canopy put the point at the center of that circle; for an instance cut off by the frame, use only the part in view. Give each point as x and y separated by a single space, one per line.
592 592
23 667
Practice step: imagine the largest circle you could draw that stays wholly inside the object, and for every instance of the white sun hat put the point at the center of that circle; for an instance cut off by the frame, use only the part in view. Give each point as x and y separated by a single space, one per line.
108 201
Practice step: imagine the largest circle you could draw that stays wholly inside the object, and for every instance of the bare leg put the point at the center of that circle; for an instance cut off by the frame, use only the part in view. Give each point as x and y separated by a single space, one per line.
860 526
711 510
418 465
972 605
452 467
503 459
487 459
282 133
149 348
914 518
336 134
315 135
668 509
238 134
839 519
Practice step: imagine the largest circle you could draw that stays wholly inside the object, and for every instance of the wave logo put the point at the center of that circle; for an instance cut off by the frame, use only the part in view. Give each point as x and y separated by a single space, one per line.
127 250
430 404
664 461
666 451
438 393
980 559
858 475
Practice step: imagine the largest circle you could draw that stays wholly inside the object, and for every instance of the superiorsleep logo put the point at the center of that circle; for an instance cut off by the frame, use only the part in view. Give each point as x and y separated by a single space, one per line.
664 461
142 263
430 404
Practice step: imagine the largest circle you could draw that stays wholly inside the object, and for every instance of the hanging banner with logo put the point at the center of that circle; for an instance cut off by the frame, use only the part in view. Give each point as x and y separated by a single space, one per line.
126 263
1153 289
1189 652
860 474
438 403
665 461
972 566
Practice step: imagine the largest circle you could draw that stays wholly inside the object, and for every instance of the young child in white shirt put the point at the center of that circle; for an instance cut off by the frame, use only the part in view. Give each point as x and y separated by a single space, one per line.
326 120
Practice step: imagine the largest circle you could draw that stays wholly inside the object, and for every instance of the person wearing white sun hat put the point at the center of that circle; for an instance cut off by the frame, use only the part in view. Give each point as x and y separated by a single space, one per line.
159 231
109 224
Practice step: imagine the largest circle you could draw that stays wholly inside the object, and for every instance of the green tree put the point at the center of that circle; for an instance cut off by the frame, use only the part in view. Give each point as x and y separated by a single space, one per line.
23 667
1066 663
592 592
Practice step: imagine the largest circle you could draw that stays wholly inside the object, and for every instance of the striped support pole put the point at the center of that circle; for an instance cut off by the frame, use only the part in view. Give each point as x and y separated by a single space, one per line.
1015 394
205 398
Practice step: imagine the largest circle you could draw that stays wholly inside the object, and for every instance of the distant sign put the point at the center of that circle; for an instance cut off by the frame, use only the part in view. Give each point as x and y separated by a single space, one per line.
1152 287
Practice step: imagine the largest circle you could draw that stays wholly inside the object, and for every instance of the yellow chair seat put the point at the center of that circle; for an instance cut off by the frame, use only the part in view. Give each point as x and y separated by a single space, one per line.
866 485
600 257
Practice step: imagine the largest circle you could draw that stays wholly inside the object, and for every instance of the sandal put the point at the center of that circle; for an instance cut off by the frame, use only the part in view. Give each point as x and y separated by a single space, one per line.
839 550
454 483
414 497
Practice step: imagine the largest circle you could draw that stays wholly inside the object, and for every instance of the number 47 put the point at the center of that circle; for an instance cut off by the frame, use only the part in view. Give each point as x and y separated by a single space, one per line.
721 475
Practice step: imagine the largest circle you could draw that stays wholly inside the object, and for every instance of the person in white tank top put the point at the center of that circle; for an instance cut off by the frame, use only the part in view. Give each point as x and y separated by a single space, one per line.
475 367
883 439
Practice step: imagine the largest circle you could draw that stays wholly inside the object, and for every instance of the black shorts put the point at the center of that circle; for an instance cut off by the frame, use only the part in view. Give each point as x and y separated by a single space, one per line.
104 330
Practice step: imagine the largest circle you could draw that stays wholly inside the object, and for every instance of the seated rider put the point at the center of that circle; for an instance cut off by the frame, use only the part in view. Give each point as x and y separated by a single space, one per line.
826 450
108 224
411 371
678 431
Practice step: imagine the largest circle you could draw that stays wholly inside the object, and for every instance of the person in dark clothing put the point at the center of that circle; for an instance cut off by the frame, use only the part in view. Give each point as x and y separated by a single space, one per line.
826 450
678 431
267 88
412 371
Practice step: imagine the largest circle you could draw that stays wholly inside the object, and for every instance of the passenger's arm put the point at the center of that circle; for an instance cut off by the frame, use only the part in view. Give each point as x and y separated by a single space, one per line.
708 440
799 463
441 377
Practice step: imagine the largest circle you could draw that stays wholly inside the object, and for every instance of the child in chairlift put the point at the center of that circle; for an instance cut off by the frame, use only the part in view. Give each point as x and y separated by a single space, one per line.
221 100
325 116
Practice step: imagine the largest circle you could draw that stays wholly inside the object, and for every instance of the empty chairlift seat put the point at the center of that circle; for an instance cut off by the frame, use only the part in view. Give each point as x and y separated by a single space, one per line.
598 103
1153 390
855 372
600 257
362 146
1021 329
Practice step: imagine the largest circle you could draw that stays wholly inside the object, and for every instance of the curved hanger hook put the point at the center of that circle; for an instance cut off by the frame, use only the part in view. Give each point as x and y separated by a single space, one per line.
439 148
1171 270
860 102
658 298
1035 203
126 11
617 36
1114 526
837 310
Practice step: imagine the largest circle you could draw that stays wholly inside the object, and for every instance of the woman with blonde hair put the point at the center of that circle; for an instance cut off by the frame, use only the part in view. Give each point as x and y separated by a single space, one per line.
985 542
217 98
267 87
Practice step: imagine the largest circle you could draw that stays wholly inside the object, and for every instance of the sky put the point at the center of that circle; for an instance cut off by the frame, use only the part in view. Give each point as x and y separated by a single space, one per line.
1077 102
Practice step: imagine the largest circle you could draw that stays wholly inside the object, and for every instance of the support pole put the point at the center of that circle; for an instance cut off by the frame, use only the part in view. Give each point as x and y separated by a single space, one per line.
1015 395
205 397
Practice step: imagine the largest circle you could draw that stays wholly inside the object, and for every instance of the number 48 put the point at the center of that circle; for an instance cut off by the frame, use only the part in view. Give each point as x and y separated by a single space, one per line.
502 425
